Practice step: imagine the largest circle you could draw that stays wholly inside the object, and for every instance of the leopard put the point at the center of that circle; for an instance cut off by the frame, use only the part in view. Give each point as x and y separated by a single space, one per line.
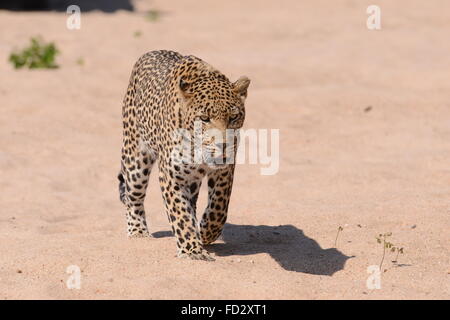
169 92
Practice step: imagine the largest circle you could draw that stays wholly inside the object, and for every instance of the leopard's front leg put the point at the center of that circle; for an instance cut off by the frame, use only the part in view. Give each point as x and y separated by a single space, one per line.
220 183
177 194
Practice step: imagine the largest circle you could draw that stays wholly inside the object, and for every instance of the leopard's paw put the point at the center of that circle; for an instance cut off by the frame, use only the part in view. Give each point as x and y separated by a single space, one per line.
143 233
202 255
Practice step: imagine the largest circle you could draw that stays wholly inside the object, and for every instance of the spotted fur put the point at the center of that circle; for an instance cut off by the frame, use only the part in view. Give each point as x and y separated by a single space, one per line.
168 91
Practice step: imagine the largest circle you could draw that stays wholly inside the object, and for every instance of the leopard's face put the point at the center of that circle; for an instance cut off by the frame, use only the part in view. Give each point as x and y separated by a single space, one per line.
215 110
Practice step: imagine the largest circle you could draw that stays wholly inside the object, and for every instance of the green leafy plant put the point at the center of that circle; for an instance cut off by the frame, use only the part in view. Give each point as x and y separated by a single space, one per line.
137 34
37 55
153 15
399 251
388 246
80 61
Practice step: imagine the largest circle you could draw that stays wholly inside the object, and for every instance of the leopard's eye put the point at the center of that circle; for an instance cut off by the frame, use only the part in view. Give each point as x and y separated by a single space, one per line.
204 118
234 117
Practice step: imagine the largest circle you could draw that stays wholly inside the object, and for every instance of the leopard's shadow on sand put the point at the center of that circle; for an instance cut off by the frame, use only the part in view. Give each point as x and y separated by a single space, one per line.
286 244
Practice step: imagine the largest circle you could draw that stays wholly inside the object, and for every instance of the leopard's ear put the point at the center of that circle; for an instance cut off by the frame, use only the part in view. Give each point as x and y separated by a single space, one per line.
241 86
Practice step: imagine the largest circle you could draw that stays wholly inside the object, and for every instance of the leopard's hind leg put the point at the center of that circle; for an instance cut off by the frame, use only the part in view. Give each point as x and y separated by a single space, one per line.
133 181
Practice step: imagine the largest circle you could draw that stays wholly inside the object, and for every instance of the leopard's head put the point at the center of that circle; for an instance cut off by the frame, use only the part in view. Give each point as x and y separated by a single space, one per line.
212 110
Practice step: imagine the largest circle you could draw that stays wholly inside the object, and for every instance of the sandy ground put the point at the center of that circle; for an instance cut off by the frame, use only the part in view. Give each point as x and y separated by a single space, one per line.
364 119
